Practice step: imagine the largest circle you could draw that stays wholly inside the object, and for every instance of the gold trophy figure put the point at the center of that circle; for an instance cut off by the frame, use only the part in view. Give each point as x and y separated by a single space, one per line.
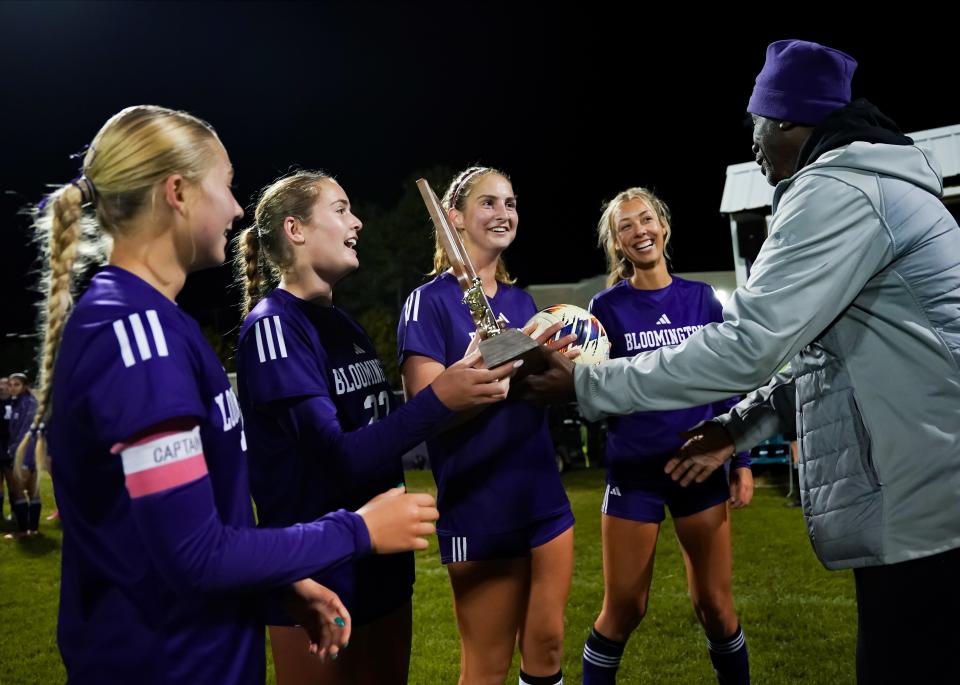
497 345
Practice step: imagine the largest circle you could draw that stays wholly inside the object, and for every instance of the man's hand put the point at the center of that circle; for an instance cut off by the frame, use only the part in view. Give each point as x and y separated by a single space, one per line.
741 487
706 449
552 386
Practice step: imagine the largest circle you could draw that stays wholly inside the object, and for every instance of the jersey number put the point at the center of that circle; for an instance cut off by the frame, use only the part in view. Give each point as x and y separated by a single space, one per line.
377 403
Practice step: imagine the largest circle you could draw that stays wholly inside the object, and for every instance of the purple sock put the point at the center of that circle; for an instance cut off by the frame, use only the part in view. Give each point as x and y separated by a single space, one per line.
729 657
601 659
33 515
21 514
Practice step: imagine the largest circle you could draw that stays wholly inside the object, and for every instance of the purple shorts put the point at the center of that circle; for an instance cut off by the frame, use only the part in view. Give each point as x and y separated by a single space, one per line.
645 500
510 544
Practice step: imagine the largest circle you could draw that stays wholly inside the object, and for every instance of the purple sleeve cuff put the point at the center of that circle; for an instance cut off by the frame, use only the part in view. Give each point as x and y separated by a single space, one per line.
355 523
740 460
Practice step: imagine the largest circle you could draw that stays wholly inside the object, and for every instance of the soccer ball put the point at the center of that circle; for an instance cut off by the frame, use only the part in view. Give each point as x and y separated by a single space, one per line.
591 338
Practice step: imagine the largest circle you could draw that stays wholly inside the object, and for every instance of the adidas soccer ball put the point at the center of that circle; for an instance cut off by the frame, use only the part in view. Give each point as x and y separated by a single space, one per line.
591 338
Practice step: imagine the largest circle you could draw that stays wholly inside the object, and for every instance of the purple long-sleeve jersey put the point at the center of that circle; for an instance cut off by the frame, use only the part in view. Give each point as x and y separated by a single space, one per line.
325 430
164 577
23 410
497 472
642 320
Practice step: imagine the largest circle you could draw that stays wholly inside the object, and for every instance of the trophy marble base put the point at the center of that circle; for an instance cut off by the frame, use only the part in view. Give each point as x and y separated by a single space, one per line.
510 345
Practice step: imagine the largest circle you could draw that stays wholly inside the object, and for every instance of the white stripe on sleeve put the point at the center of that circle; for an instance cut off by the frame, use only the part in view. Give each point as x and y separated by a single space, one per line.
280 341
269 336
256 327
124 341
141 336
158 338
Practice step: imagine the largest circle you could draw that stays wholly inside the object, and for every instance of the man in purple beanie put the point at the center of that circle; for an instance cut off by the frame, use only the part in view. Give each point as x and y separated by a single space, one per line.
857 287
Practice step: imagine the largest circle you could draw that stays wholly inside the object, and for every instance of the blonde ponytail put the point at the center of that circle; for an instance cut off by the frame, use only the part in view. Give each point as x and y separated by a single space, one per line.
248 268
64 211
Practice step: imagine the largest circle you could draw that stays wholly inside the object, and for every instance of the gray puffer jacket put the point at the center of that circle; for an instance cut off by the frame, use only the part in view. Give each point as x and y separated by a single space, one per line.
858 287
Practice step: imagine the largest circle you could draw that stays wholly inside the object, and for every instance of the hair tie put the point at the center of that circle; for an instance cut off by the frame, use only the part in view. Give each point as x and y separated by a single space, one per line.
87 190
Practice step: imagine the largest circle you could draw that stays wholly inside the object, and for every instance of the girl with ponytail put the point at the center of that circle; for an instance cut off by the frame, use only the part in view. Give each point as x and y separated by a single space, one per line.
165 579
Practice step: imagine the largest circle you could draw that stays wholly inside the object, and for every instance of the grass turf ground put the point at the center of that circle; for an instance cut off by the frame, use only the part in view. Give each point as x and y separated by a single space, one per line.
800 620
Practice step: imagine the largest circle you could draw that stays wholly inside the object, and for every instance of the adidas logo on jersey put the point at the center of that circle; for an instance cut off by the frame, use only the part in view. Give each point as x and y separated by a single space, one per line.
663 320
272 336
615 491
411 310
358 349
140 337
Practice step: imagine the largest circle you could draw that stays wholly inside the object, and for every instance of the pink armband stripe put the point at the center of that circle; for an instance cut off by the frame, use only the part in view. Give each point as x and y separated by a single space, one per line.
167 476
163 461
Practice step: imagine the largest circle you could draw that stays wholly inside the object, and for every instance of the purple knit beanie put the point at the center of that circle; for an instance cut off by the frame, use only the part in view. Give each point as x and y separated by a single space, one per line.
802 82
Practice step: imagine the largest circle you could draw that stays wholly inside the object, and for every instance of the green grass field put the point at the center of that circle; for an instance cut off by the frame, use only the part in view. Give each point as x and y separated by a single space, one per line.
800 620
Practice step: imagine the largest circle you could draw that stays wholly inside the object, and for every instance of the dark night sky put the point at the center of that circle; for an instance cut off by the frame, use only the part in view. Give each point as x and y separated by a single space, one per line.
575 106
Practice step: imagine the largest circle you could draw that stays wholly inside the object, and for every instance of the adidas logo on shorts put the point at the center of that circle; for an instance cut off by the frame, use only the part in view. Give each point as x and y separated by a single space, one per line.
614 490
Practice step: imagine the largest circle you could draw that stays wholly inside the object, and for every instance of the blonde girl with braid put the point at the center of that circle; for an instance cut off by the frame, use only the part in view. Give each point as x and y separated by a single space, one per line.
164 577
